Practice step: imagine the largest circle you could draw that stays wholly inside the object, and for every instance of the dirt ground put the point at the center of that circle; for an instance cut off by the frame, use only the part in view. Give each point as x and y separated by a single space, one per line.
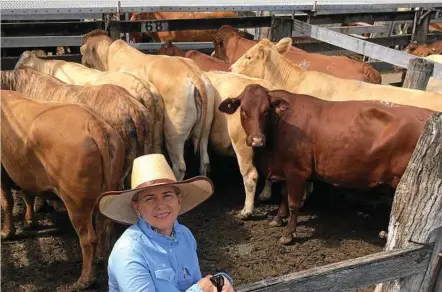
332 228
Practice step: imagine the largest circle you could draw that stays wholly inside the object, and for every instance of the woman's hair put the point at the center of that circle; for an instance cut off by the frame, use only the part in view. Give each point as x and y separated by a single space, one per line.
176 190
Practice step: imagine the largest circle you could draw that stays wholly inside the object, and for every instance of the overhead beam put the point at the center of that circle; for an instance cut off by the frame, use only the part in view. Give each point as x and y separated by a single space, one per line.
40 41
360 46
65 28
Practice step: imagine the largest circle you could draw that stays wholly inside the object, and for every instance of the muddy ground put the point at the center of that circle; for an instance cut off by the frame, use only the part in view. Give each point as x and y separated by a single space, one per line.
332 227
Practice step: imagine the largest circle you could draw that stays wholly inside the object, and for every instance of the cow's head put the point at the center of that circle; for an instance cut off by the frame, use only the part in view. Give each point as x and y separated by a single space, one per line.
220 41
28 59
257 109
261 59
94 49
169 49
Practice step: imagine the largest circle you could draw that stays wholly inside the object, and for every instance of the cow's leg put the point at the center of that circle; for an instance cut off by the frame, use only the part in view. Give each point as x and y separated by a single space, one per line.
39 203
30 216
81 218
296 195
8 229
244 155
204 155
58 206
266 192
283 210
176 154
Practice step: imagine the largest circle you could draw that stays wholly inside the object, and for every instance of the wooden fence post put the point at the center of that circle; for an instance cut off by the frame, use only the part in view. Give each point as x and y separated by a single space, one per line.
418 73
281 27
416 215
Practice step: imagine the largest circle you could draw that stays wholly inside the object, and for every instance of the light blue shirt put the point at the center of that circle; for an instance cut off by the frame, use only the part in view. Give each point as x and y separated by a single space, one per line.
144 260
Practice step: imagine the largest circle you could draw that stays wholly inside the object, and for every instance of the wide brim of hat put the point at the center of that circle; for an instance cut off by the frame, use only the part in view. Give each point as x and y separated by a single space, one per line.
117 205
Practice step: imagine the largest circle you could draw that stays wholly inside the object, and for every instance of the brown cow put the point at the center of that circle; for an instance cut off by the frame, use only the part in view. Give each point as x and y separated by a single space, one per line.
206 35
352 144
423 50
229 47
112 103
204 62
59 148
436 26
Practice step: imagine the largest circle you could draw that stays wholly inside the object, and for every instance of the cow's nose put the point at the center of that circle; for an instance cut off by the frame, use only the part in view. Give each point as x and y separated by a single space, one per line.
258 141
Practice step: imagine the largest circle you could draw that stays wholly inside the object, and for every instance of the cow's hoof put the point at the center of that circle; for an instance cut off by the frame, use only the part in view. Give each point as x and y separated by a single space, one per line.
30 225
8 234
286 239
83 285
244 215
275 222
264 197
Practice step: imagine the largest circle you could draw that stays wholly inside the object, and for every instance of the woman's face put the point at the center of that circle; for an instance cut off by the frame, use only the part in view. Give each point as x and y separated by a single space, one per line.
159 206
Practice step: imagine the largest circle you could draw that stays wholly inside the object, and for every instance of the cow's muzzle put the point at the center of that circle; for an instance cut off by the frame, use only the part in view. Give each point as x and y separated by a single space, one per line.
256 141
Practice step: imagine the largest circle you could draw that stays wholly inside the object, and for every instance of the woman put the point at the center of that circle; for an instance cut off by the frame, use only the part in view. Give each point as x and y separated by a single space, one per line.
156 253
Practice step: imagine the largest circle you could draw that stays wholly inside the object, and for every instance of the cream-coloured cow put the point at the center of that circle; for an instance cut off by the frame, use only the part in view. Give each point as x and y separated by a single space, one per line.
266 61
187 93
227 131
73 73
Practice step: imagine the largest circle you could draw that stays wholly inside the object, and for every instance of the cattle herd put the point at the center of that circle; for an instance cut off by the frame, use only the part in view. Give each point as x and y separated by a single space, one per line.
74 129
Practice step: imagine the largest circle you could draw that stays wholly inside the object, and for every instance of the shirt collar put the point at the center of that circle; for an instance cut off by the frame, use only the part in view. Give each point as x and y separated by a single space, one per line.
149 232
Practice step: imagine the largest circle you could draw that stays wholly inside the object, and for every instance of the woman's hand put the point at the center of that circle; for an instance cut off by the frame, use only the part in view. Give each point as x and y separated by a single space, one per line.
227 286
206 285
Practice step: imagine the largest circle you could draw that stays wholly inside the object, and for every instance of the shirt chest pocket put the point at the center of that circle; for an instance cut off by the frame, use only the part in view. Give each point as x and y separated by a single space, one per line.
166 274
185 278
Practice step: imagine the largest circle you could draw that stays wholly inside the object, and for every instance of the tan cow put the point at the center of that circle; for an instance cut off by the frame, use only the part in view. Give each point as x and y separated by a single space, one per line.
60 148
229 47
186 91
227 131
112 103
73 73
267 61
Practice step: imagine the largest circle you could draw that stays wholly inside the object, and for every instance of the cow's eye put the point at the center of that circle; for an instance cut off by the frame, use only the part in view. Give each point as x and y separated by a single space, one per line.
248 57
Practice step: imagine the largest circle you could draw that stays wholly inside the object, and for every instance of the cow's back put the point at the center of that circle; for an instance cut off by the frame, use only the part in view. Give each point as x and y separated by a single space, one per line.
338 66
207 63
54 146
353 143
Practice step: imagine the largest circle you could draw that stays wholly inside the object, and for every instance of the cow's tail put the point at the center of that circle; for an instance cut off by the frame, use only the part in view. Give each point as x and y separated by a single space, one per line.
140 120
111 148
200 96
373 75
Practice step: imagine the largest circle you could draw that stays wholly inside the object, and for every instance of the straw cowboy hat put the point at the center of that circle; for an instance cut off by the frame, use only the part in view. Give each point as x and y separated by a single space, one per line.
148 171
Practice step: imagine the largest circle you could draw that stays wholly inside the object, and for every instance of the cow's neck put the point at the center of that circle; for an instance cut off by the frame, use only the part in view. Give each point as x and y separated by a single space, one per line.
45 66
286 75
102 54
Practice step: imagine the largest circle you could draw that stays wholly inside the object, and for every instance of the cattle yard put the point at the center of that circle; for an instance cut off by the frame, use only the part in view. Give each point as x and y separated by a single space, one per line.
339 244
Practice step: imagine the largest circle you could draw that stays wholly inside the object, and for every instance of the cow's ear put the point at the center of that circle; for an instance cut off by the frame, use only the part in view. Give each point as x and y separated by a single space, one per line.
229 105
283 46
279 105
262 52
